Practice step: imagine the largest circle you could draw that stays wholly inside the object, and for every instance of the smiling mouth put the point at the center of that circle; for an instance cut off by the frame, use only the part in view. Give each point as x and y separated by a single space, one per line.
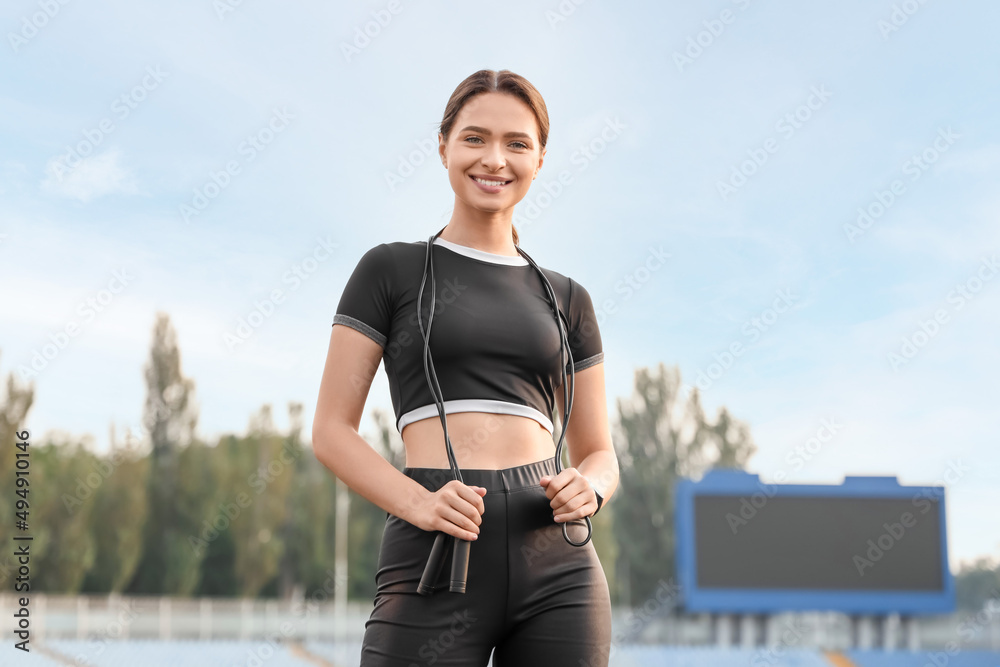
490 183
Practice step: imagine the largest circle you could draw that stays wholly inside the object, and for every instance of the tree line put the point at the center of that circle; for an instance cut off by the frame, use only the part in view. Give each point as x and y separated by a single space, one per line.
254 515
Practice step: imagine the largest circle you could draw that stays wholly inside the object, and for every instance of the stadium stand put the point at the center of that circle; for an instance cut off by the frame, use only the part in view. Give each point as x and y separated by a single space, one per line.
193 653
347 653
172 653
33 658
939 658
707 656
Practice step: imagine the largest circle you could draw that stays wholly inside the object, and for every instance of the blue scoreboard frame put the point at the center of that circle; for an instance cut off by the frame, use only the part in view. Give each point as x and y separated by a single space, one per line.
718 483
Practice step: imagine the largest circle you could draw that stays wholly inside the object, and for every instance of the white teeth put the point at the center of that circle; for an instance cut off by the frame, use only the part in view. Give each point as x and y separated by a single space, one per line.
493 183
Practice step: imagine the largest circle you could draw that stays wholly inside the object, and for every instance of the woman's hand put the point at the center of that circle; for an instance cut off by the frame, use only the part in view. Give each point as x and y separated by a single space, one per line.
455 509
570 495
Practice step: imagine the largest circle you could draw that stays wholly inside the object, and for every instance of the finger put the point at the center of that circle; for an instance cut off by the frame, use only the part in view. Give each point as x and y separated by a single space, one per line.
586 509
577 507
573 503
567 478
452 496
575 496
556 484
466 528
456 492
467 507
470 495
572 516
572 489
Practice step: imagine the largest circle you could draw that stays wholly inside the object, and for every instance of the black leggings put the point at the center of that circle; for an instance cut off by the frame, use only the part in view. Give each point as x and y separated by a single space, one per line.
533 596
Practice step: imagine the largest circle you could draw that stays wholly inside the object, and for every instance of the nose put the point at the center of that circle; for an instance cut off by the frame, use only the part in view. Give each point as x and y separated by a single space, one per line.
493 159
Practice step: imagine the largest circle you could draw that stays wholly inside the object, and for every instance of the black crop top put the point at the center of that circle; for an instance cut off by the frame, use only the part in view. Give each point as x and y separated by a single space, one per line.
494 340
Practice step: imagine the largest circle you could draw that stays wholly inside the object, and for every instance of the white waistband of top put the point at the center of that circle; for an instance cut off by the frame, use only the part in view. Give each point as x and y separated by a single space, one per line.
476 253
474 405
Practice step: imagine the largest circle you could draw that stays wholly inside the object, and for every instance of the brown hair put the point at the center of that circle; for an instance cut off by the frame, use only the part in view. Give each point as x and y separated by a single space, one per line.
504 81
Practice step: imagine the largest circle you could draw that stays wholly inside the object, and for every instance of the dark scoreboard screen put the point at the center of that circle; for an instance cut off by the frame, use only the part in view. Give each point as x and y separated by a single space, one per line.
866 546
816 542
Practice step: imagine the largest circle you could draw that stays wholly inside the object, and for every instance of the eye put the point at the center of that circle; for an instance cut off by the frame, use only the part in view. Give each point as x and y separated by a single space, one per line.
518 144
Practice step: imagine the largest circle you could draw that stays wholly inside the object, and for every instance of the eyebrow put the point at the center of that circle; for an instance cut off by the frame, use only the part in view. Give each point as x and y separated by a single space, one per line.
483 130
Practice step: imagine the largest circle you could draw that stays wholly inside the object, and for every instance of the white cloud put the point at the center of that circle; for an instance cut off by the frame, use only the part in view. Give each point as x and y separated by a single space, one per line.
977 160
11 173
91 177
966 241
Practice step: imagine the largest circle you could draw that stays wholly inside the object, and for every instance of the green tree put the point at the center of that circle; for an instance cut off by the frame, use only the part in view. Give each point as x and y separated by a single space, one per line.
13 417
64 548
264 465
976 583
731 439
181 487
199 495
661 437
218 578
121 506
308 530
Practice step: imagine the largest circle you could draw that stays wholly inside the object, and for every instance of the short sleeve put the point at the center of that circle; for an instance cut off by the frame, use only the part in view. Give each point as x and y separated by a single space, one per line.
584 334
367 301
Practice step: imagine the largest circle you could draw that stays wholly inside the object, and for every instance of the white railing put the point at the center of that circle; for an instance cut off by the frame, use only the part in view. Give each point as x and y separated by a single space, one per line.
113 617
123 617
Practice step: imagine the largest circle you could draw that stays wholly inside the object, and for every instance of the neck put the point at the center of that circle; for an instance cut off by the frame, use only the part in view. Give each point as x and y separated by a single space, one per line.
489 231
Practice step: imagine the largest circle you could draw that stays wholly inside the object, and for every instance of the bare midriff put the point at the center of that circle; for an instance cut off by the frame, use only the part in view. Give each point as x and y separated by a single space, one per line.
480 440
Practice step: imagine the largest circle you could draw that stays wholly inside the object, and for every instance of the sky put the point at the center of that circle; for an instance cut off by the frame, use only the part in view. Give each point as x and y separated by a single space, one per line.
820 178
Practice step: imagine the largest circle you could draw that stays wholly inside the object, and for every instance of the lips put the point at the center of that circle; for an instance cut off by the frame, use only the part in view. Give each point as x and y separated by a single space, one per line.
492 189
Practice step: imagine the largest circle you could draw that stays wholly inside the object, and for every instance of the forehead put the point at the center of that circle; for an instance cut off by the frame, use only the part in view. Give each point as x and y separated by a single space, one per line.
499 112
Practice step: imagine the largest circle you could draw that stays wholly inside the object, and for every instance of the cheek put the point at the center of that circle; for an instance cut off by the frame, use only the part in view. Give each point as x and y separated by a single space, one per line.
458 180
527 174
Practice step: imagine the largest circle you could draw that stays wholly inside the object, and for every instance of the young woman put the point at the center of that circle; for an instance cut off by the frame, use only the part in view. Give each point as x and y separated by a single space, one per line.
532 597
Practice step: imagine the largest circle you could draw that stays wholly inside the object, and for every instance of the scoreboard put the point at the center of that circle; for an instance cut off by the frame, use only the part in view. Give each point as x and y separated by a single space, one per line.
866 546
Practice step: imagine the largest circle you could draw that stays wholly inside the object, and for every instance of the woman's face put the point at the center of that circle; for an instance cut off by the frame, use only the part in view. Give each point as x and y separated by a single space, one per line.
495 138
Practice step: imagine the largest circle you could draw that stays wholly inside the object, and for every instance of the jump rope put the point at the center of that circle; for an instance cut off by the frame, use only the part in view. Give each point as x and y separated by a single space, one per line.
460 550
